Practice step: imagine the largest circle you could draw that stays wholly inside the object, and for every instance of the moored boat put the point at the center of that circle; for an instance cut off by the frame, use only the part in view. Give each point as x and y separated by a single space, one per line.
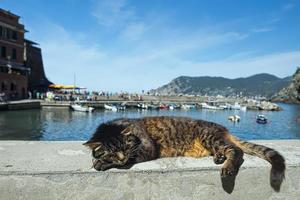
80 108
163 106
187 106
153 107
234 118
205 105
261 119
171 107
120 107
237 106
110 107
142 106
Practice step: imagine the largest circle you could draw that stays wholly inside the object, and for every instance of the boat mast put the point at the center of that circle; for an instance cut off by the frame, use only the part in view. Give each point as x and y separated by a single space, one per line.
74 84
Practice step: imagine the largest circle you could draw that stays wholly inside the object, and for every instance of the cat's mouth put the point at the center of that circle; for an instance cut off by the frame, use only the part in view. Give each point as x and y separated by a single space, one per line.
100 166
95 162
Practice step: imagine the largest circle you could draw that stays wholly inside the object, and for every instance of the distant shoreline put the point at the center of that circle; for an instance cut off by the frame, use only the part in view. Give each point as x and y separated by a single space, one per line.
145 99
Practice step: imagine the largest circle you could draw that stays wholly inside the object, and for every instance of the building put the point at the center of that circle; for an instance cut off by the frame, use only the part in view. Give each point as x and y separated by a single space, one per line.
37 80
21 64
13 72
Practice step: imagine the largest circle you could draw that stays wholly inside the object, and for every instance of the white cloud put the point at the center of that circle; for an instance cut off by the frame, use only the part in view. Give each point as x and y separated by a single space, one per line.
280 64
139 69
262 30
133 31
112 12
149 52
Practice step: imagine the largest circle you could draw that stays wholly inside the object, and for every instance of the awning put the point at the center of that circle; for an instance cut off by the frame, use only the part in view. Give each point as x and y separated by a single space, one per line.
65 87
55 86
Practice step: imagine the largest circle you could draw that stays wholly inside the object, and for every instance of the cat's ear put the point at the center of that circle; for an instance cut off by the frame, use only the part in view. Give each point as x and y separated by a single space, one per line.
91 144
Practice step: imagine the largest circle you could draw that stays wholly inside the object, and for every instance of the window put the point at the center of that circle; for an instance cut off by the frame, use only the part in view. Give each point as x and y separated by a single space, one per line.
3 87
1 30
8 33
3 70
4 32
3 52
14 35
12 87
14 54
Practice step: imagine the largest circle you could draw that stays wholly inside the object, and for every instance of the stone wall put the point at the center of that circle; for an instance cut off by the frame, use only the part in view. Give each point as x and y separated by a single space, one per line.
62 170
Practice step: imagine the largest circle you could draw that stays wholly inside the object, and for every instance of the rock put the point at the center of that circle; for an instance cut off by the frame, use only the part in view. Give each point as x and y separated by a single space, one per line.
266 105
291 93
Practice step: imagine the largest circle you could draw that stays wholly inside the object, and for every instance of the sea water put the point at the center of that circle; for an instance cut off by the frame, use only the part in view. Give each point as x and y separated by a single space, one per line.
52 124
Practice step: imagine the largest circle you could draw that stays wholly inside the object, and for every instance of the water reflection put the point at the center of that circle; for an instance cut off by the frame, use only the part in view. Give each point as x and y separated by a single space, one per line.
63 124
27 125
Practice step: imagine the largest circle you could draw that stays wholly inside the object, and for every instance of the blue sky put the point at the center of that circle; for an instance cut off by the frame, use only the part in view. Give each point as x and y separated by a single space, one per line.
131 45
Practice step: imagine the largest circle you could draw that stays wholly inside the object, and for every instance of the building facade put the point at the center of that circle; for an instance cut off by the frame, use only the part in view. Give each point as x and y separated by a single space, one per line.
13 72
37 80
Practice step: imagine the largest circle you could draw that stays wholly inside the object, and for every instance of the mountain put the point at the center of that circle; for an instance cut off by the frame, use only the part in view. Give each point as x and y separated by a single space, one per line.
259 84
290 93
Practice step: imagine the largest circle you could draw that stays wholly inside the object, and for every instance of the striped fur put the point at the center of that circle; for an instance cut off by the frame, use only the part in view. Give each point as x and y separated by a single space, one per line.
123 142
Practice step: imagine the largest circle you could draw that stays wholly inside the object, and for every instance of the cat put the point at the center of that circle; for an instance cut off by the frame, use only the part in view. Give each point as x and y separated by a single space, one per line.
122 143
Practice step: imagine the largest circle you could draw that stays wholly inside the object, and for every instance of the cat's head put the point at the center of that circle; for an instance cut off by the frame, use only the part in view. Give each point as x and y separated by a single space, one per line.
112 148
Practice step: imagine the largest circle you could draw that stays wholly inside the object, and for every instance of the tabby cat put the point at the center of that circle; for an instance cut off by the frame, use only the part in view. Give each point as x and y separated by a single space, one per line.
123 142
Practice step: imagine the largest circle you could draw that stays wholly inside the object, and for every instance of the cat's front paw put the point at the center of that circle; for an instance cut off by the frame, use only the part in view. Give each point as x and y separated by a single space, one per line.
219 158
231 168
228 170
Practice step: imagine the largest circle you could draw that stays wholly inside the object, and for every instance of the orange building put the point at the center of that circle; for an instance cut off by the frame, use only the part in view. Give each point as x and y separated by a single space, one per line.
13 72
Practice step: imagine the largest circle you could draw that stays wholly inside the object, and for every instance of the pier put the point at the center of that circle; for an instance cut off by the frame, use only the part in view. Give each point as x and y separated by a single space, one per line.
20 105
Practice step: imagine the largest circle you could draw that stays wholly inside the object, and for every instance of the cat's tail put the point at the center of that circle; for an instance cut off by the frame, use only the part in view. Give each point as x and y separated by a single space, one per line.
273 157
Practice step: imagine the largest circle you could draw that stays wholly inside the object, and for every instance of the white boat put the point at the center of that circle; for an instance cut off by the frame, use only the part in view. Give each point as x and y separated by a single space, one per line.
153 107
234 118
111 107
205 105
187 106
237 106
261 119
80 108
121 107
243 108
224 106
142 106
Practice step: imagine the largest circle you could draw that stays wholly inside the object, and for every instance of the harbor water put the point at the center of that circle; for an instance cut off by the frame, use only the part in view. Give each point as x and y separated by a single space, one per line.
62 124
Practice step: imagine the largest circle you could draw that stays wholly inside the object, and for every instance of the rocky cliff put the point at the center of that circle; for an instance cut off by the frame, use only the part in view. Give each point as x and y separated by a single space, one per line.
291 93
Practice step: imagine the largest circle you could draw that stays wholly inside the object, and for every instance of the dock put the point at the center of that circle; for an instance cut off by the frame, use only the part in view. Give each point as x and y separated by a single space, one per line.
20 105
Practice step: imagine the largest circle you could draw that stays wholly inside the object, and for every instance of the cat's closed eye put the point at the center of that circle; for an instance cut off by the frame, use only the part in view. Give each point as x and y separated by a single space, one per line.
97 153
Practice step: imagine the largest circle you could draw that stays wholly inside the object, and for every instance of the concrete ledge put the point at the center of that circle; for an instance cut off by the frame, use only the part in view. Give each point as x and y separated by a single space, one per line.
20 105
62 170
